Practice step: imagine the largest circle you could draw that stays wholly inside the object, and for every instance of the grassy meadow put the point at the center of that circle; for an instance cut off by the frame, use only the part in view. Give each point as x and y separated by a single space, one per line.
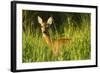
35 49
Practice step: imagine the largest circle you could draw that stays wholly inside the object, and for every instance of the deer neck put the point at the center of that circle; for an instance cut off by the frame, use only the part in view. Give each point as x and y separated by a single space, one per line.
47 38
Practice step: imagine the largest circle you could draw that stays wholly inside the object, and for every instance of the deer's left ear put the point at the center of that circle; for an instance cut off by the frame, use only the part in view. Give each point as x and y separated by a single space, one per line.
50 20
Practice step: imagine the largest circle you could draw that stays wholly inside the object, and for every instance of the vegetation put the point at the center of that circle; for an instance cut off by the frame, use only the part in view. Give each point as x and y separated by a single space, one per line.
75 26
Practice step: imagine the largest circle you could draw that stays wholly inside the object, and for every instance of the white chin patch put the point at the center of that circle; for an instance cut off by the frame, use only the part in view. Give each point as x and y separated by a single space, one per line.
44 35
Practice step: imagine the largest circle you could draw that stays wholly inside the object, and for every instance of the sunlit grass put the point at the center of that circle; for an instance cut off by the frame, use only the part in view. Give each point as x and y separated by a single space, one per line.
35 48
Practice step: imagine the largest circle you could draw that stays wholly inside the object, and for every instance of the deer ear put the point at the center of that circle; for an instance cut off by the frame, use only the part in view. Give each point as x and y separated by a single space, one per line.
40 20
50 20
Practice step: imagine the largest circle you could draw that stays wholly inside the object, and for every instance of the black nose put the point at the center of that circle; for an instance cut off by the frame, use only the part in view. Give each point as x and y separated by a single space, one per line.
44 32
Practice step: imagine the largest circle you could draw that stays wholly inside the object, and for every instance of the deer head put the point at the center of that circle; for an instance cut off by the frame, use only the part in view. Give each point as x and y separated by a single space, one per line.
45 25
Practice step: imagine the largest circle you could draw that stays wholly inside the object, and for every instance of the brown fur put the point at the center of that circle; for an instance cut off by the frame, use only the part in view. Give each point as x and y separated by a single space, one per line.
54 44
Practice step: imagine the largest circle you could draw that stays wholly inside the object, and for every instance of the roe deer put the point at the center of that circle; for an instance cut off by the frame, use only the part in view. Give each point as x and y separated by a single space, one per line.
54 44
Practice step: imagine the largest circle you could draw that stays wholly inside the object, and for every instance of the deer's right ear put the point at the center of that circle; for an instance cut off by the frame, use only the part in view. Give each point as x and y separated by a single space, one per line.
40 20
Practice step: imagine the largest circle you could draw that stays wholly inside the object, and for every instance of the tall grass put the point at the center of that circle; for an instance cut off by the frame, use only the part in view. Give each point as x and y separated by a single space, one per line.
35 48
